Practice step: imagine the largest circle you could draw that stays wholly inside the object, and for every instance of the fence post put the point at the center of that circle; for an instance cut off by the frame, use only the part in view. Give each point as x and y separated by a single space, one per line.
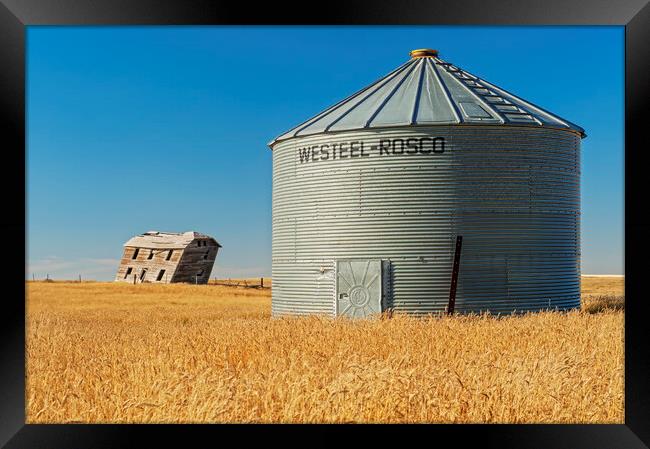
262 282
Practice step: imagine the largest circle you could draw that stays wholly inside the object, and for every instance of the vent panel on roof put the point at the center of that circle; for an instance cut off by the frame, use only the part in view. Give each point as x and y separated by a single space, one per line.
474 110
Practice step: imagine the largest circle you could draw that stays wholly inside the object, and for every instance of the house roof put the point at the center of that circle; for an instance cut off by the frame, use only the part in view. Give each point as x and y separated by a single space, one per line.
167 240
426 90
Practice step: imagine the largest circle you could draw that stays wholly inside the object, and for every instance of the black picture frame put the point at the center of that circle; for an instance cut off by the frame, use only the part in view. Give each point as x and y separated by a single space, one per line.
15 15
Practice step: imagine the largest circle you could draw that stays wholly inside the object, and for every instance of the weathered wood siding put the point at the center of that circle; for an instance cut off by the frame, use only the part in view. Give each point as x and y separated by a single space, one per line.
196 260
153 265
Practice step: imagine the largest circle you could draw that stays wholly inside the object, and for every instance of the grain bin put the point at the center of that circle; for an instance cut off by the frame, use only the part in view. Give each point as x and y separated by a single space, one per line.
370 196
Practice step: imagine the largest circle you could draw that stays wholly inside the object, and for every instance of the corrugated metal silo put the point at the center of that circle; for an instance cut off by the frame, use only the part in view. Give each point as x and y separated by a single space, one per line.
370 195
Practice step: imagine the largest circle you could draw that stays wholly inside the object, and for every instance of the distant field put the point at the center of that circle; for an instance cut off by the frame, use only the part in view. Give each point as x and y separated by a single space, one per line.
603 293
104 352
603 285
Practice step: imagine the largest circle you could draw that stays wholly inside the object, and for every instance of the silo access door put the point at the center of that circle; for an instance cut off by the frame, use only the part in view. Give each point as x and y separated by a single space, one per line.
358 287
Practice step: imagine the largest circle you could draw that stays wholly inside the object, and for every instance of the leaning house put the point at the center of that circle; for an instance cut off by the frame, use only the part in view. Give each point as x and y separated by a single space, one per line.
166 257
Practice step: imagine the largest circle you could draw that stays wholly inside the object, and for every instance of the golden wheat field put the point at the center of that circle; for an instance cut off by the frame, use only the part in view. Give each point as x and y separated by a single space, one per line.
119 353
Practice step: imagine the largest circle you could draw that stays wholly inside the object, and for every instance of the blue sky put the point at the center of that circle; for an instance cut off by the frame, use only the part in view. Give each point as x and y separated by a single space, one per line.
165 128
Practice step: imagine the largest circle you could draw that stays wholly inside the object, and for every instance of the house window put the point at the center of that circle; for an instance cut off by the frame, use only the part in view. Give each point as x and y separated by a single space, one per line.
199 274
199 243
207 253
135 254
160 275
143 274
128 272
169 254
150 255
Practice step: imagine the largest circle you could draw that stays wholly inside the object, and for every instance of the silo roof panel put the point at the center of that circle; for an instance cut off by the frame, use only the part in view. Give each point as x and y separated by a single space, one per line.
472 108
362 113
423 91
360 101
399 108
435 104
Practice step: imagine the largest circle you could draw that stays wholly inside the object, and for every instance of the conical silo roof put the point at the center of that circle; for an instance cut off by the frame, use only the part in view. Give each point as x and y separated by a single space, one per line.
428 91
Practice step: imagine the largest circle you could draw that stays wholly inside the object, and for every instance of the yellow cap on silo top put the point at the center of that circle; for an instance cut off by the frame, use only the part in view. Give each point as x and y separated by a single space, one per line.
423 53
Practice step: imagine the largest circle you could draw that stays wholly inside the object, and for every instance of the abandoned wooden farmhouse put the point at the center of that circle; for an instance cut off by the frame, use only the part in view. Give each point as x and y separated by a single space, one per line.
166 257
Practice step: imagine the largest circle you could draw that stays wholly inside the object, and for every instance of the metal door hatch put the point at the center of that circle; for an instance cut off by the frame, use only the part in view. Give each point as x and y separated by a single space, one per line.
358 287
